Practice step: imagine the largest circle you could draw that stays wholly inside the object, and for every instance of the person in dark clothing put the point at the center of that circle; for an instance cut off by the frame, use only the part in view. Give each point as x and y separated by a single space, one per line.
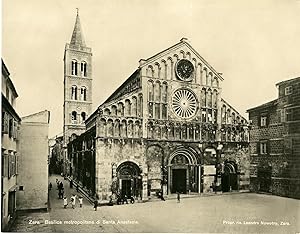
162 197
62 193
95 205
178 197
61 185
50 186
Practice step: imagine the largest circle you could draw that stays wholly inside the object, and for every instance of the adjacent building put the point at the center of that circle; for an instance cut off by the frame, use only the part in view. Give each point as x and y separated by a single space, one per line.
275 142
166 128
33 170
9 148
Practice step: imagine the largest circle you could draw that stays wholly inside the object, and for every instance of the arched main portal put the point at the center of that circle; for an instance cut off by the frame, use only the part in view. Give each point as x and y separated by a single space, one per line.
183 171
229 177
129 179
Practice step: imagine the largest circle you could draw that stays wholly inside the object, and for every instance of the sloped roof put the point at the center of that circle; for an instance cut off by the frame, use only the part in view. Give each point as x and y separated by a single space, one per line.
77 36
285 81
265 105
115 93
6 74
225 102
183 41
39 117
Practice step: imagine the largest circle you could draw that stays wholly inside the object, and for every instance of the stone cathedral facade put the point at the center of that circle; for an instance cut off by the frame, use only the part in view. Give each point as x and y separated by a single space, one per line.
166 128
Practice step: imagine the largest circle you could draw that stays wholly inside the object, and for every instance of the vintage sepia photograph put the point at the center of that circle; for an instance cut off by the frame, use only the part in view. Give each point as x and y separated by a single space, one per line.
159 116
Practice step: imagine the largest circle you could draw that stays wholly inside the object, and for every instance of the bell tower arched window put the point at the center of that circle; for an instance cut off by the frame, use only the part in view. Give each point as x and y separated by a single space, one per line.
74 67
74 117
83 68
83 93
74 92
83 116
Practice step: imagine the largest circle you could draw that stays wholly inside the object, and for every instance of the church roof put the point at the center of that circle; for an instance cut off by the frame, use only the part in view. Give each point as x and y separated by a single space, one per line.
77 36
265 105
183 41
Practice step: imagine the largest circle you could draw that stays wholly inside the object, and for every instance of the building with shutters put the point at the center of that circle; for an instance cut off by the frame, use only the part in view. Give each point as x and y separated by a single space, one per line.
24 145
165 129
275 142
9 149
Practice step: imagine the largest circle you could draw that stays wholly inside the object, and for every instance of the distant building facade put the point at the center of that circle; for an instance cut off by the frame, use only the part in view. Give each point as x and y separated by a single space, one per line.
56 164
77 87
275 143
33 169
10 149
166 128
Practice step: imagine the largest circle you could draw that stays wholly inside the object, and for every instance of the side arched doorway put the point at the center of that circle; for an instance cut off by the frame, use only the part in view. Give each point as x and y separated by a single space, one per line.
229 177
183 172
129 179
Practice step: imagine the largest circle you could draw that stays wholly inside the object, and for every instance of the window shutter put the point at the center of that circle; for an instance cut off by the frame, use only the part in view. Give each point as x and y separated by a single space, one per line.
258 150
5 130
268 147
17 163
10 127
15 129
9 167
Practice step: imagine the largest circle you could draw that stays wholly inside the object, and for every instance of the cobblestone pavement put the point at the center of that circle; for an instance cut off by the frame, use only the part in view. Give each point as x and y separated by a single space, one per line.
236 213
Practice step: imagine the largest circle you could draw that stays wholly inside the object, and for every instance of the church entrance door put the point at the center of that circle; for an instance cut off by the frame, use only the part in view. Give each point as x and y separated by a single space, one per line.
129 180
126 188
179 180
229 178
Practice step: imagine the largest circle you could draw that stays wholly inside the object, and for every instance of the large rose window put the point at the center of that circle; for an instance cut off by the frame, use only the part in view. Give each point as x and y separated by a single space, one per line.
184 103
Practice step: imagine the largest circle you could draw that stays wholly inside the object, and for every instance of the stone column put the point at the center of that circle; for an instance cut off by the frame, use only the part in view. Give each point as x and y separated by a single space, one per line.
145 189
199 179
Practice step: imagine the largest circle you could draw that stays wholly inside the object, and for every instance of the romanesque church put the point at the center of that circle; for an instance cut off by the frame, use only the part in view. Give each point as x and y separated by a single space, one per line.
165 129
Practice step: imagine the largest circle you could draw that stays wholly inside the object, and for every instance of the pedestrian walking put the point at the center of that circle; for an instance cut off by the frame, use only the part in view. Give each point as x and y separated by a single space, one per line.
50 186
61 185
95 205
178 197
62 193
80 201
65 202
73 200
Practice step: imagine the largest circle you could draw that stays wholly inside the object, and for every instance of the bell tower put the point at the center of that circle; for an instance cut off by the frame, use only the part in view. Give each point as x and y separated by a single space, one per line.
77 83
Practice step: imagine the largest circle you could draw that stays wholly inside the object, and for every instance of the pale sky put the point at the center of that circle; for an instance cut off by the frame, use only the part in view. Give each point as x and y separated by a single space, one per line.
254 43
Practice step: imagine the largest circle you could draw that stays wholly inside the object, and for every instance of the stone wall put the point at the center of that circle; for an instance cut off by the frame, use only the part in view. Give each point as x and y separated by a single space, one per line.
115 151
282 134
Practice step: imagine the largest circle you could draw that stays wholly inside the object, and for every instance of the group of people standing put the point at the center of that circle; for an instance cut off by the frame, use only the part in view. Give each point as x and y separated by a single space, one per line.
73 198
73 201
